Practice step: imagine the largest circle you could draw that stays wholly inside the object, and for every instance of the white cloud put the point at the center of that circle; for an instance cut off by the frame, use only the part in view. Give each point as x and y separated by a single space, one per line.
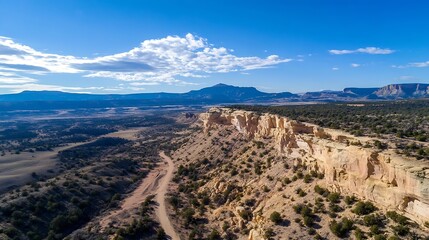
335 69
39 87
11 78
405 78
367 50
167 60
414 64
340 52
355 65
144 83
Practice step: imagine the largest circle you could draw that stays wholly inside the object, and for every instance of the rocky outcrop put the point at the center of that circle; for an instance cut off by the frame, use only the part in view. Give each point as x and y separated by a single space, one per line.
391 181
409 90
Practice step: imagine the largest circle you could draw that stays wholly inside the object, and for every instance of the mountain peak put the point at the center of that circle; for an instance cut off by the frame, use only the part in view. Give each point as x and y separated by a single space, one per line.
223 85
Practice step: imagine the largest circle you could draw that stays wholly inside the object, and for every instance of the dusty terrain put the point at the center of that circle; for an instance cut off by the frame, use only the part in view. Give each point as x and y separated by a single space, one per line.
161 211
17 169
98 180
154 184
235 171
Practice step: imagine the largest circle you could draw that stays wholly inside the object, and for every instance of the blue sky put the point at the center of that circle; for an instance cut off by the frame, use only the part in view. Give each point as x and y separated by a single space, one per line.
129 46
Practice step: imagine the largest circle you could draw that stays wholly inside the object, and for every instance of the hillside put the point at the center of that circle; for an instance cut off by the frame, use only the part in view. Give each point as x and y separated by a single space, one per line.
244 175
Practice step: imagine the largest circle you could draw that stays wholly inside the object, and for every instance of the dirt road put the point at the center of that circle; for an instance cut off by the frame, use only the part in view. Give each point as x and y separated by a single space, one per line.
155 183
161 211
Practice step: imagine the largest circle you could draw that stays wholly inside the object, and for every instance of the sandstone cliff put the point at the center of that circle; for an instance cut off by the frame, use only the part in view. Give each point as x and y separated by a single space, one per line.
391 181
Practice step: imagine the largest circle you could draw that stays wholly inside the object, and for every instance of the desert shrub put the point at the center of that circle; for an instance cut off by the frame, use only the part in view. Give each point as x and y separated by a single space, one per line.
334 197
269 232
349 200
335 208
322 191
308 178
246 215
308 221
188 215
160 234
257 167
342 228
372 219
311 231
401 230
374 230
398 218
359 234
214 235
174 201
364 208
300 192
379 237
394 238
275 217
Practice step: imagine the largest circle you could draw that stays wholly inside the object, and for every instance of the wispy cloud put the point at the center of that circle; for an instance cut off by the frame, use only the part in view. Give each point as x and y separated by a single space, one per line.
11 78
366 50
413 64
335 69
170 60
38 87
355 65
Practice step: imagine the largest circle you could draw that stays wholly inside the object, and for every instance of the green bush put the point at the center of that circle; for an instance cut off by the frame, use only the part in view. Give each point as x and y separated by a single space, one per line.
401 230
214 235
300 192
379 237
341 229
188 215
322 191
308 178
275 217
349 200
334 197
364 208
398 218
308 221
269 233
246 215
359 234
374 229
372 219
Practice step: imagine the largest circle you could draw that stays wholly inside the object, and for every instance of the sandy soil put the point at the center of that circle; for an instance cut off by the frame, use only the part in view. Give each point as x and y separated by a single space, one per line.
161 211
16 169
155 183
133 201
129 134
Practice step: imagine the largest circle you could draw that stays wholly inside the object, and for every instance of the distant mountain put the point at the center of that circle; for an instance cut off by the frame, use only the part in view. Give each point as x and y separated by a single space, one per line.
327 95
409 90
65 96
218 94
226 93
360 92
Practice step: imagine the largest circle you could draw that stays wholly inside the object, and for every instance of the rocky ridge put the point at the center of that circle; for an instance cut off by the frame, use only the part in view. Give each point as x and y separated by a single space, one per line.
391 181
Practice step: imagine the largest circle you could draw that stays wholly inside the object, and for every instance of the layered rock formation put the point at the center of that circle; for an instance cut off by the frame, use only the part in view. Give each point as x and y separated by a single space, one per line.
403 90
391 181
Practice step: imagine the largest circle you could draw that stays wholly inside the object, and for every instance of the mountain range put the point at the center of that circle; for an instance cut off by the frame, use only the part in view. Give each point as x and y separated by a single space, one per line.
217 94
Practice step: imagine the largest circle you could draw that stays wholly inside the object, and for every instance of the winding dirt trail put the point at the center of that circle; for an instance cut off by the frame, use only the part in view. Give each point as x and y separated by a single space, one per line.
155 183
161 211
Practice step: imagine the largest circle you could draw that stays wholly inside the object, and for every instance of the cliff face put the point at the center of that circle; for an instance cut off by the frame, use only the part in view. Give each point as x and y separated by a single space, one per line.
403 90
391 181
